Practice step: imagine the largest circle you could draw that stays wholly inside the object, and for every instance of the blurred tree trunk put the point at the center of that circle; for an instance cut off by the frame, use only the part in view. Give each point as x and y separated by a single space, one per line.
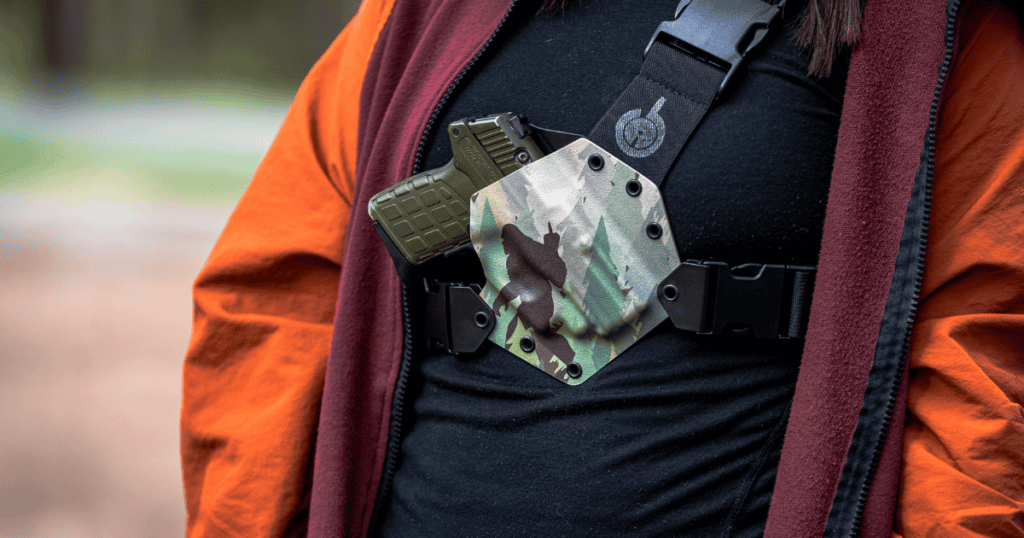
65 34
266 40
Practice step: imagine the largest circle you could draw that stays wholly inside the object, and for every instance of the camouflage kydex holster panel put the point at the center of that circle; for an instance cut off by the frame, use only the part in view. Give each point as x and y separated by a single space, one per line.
573 247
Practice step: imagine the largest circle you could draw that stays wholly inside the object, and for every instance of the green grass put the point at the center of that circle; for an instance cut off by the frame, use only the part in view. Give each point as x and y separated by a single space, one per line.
74 169
69 161
18 155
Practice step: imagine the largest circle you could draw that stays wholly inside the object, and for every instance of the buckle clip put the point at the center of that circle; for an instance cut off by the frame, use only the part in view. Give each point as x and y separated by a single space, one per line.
764 301
457 320
719 32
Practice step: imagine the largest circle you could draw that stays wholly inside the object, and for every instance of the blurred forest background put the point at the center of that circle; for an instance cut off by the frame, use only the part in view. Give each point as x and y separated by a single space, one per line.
128 130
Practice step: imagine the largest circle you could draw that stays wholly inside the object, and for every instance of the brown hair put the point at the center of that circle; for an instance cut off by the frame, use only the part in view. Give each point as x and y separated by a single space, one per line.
828 25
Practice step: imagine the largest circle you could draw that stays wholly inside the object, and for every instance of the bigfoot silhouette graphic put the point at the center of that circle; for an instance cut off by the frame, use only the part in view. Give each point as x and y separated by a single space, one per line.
532 268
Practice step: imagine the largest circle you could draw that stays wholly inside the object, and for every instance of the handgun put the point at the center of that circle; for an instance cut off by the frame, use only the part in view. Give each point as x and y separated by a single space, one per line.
427 214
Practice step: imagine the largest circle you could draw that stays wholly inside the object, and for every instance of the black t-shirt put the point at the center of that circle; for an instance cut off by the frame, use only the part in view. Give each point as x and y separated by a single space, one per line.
680 435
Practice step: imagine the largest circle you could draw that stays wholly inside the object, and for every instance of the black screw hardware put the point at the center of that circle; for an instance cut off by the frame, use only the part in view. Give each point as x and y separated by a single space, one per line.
480 318
633 187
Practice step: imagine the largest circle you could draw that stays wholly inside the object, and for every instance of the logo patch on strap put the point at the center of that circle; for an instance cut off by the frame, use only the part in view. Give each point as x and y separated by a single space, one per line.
641 136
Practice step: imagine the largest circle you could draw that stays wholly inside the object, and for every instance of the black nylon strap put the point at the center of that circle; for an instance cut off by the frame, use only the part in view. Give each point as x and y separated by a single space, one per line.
800 303
765 301
653 118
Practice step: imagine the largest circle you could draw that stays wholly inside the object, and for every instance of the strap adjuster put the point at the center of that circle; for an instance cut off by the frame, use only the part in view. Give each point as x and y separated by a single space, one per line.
719 32
456 318
764 301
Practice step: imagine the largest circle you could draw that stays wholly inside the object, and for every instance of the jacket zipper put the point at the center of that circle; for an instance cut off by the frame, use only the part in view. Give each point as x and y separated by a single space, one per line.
418 162
398 403
953 9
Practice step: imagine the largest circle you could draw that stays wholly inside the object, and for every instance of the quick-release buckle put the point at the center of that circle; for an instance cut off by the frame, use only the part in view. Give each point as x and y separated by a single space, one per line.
719 32
456 319
764 301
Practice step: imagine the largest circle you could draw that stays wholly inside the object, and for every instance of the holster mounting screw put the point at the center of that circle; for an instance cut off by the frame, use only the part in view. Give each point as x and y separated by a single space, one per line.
480 318
633 187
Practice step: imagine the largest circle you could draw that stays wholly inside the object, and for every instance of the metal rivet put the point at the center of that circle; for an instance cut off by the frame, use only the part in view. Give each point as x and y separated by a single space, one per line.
574 370
595 162
481 318
654 230
455 131
633 187
527 344
670 292
522 156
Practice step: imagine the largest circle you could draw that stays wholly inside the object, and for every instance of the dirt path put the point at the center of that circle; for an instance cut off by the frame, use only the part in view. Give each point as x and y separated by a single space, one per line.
94 320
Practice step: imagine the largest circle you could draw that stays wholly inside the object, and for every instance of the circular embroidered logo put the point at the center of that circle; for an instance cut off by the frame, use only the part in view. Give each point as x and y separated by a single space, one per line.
641 136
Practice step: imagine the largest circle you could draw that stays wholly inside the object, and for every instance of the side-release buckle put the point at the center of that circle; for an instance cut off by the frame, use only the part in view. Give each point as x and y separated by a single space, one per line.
719 32
764 301
456 319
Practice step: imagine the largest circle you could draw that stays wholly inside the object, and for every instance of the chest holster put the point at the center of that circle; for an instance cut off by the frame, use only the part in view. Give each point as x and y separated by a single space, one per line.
691 62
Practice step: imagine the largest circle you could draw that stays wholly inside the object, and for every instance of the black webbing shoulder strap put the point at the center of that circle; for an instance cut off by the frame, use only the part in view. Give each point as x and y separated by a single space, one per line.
690 62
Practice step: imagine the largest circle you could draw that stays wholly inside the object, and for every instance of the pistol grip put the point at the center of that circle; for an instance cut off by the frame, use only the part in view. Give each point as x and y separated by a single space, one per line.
427 214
